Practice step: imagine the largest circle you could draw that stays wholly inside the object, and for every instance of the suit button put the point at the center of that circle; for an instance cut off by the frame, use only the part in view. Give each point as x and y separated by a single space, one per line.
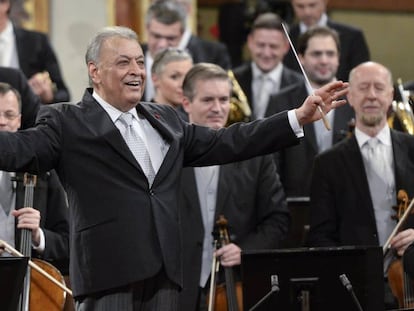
151 192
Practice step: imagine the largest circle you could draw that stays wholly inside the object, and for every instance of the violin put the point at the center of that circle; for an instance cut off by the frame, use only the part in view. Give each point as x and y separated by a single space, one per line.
400 283
38 293
227 296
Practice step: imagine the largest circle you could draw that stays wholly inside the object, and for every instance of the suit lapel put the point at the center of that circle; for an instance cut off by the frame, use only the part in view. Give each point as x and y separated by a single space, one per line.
101 125
191 195
400 161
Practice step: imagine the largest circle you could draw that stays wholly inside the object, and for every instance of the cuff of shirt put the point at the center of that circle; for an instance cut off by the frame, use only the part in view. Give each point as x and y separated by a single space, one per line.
294 124
41 247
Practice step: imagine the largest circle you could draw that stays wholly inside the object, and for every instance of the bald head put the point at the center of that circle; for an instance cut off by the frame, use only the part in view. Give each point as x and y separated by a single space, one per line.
370 94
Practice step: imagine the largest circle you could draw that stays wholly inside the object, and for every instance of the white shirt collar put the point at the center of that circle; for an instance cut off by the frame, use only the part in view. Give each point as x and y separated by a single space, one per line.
323 21
275 75
113 112
384 136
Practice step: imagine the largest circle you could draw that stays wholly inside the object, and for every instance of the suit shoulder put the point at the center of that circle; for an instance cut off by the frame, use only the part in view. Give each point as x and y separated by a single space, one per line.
344 28
292 74
242 70
31 34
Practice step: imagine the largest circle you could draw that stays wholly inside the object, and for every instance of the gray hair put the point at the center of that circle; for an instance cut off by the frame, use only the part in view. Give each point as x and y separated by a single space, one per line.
167 13
95 45
166 56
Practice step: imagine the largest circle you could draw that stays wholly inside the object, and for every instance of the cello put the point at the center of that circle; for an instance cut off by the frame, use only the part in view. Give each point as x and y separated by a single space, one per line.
37 294
400 283
227 297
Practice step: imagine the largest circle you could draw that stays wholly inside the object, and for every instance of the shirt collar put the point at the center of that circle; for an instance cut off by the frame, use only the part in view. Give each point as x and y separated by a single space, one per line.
7 34
275 75
323 21
384 136
113 112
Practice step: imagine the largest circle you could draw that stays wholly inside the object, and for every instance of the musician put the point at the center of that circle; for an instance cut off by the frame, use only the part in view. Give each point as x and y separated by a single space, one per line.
265 73
168 71
48 219
31 52
248 193
318 51
311 13
354 184
30 102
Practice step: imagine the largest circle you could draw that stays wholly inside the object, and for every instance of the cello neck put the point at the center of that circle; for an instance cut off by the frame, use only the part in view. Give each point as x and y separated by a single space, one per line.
26 239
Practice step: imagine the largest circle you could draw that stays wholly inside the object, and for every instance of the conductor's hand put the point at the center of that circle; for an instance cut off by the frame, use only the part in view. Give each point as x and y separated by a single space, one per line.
29 218
326 97
229 255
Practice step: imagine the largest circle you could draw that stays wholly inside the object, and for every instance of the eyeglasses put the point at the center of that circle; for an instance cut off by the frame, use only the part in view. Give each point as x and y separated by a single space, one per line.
8 115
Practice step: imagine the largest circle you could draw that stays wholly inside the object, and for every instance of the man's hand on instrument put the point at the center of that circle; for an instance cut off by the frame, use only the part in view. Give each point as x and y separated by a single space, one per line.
402 240
29 218
326 97
229 255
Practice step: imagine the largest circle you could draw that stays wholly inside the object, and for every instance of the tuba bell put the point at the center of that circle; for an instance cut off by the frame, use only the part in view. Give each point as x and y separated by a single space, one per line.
239 106
402 112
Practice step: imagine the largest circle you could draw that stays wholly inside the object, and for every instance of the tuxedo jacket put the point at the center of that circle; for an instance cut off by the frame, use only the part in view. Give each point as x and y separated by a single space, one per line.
244 75
122 230
341 207
250 196
294 164
49 199
354 48
30 101
35 55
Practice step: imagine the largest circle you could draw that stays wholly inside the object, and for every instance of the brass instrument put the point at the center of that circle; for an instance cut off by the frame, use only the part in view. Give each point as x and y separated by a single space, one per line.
402 111
239 106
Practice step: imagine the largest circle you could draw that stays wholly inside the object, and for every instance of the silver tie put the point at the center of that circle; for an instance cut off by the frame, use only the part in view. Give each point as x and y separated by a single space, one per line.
137 146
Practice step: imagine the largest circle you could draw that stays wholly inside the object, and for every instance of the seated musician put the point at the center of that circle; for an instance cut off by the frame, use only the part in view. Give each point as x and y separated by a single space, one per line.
48 219
249 194
354 184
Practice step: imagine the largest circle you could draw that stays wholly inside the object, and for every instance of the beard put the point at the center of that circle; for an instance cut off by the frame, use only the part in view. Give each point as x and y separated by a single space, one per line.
372 120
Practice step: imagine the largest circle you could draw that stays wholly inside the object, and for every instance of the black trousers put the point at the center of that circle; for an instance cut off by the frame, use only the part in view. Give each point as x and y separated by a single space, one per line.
156 293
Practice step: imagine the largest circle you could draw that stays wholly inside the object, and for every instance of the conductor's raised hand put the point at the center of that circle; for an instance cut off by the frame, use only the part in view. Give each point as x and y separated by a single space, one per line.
326 97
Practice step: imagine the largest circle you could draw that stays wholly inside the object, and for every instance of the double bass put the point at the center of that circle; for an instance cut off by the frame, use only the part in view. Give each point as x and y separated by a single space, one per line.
38 292
227 296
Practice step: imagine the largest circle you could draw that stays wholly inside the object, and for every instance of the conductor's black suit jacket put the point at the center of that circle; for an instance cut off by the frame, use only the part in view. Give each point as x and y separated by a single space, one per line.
341 207
122 230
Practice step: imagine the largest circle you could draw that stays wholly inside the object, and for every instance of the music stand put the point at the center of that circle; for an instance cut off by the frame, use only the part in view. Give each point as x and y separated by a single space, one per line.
12 273
309 278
